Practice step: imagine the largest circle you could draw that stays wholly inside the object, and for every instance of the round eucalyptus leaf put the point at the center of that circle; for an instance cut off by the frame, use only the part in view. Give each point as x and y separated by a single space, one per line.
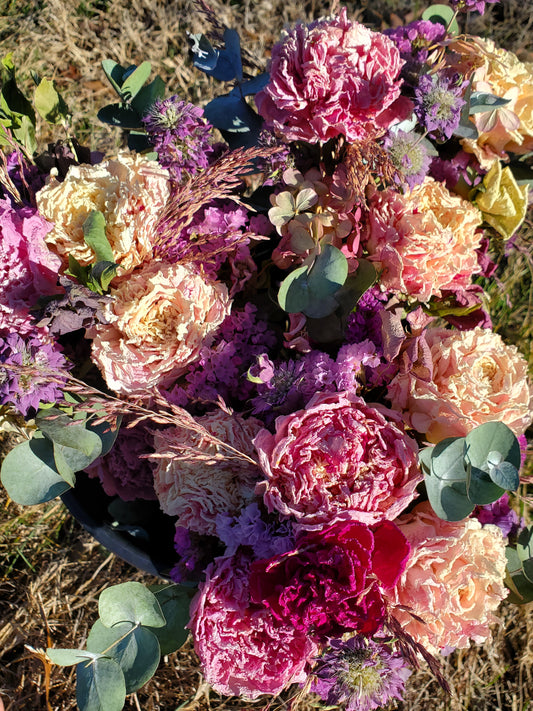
448 499
505 475
69 433
524 550
447 459
483 441
443 15
424 457
133 84
69 657
175 601
293 295
521 588
130 602
481 490
29 473
100 686
328 272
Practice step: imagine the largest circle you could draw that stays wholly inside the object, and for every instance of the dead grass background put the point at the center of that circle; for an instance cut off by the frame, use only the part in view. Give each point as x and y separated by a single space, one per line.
51 571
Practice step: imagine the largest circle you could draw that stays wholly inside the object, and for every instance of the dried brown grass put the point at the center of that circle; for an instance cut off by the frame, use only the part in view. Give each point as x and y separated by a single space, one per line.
51 570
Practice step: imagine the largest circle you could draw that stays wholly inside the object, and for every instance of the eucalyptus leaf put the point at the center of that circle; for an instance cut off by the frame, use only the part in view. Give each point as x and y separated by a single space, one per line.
442 14
447 459
120 116
135 648
106 434
521 588
484 440
115 73
68 432
481 102
69 657
150 93
448 498
100 686
239 123
524 550
481 490
103 274
130 602
505 475
328 273
293 294
175 601
134 82
29 474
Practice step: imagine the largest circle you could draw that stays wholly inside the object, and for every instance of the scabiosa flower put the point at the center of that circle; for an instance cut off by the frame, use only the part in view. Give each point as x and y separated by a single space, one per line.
26 389
361 673
438 104
180 135
468 5
409 155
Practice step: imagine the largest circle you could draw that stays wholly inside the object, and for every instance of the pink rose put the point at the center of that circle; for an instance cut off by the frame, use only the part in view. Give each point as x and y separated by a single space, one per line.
331 583
333 77
475 378
453 580
243 649
339 459
425 241
157 321
197 485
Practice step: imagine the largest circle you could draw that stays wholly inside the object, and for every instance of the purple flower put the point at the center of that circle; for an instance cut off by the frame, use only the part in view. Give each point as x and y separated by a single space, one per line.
361 673
409 155
415 42
500 514
180 135
27 365
279 388
249 529
365 321
196 553
466 5
352 360
438 104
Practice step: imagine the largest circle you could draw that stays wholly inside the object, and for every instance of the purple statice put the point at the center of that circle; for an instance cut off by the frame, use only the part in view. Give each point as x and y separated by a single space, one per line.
409 154
360 673
249 529
500 514
416 41
195 553
180 135
274 165
221 368
352 361
26 366
319 374
469 5
438 103
365 321
125 471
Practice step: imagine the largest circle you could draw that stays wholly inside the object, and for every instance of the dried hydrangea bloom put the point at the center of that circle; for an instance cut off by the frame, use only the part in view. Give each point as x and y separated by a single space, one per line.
476 378
195 480
243 650
333 77
453 580
424 241
130 191
339 459
157 322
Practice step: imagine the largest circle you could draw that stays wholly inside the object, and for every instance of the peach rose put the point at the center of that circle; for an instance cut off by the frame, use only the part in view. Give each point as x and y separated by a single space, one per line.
157 321
476 378
453 580
196 487
424 241
500 72
130 191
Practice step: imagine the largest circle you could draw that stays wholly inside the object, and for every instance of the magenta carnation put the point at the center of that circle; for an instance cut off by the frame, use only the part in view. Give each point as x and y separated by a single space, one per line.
333 77
331 582
339 459
243 649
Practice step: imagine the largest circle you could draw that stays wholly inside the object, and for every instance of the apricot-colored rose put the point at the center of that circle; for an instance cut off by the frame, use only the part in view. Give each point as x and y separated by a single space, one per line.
196 481
130 191
157 321
476 378
424 241
453 580
501 73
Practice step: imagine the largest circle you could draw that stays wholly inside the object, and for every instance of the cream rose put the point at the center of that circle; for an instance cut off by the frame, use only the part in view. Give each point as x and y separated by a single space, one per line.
130 191
157 321
476 378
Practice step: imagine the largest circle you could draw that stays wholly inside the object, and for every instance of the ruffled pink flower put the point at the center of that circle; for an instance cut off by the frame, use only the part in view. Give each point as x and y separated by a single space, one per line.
243 650
476 378
425 241
197 486
332 582
157 322
333 77
28 269
339 459
453 580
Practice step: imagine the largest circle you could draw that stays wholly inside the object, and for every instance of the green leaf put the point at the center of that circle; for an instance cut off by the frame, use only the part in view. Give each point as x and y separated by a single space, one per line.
504 474
49 103
69 657
120 116
106 434
114 72
447 460
175 601
133 84
104 273
481 102
480 488
448 499
95 236
484 441
70 434
521 588
441 14
142 101
328 273
136 649
524 550
29 473
100 686
293 294
424 457
130 602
